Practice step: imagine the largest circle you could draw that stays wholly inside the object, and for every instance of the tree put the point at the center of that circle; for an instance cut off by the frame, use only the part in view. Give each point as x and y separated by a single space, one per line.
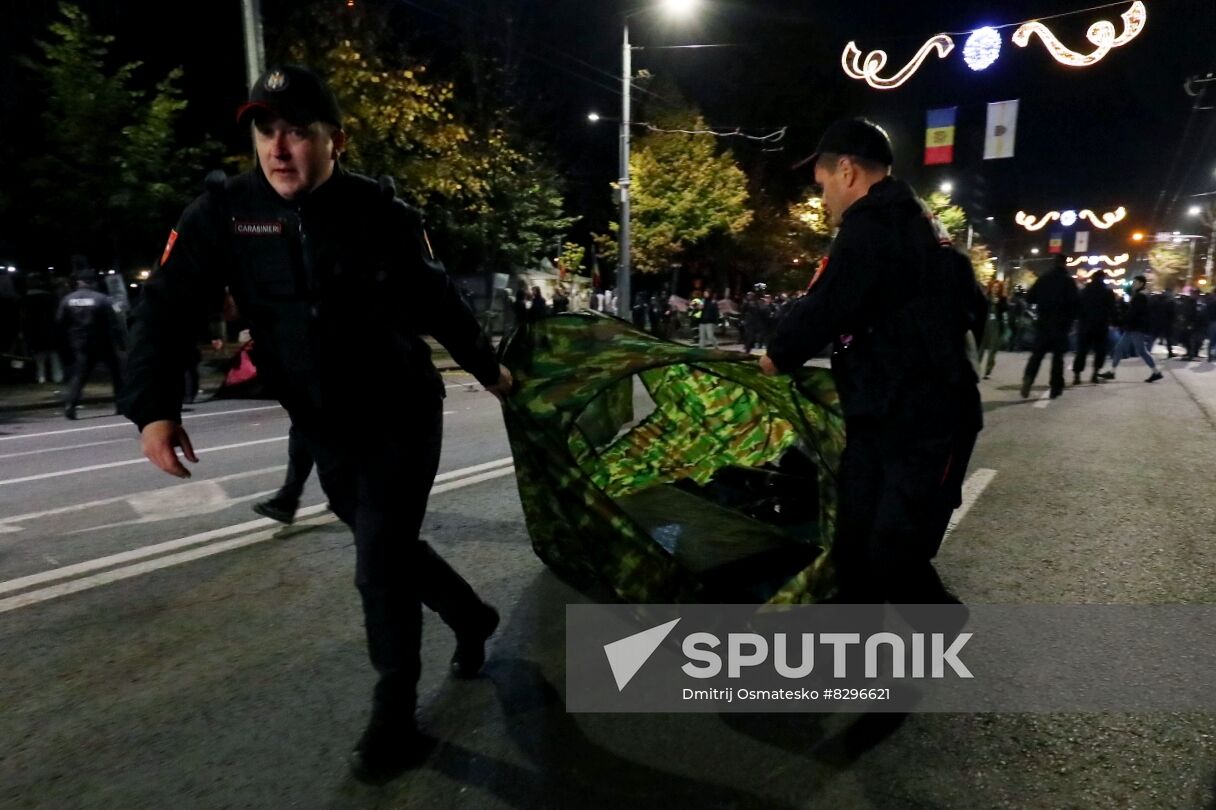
491 198
952 217
1171 263
684 192
571 260
112 172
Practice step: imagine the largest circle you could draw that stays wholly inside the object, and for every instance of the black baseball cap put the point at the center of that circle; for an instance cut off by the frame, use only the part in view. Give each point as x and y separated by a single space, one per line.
857 137
293 93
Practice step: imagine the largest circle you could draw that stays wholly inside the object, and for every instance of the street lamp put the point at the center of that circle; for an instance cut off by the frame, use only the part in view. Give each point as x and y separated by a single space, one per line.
624 292
1194 211
593 117
946 187
1034 251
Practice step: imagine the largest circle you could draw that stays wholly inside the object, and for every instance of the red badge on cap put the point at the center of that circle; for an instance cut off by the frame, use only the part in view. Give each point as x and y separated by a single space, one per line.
164 257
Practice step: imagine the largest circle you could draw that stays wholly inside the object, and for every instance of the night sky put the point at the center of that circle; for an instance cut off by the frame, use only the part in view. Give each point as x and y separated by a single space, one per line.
1119 133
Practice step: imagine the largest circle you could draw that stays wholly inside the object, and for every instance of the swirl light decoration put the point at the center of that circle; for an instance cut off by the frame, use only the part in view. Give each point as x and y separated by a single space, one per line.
1101 34
875 61
1106 220
1069 218
1093 260
1028 222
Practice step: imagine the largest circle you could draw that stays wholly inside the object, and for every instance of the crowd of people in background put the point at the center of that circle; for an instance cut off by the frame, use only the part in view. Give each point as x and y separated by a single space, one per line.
1096 321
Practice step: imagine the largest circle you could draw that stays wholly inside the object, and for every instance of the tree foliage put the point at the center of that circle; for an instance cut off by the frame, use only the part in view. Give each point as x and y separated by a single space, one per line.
1171 263
112 170
493 199
684 191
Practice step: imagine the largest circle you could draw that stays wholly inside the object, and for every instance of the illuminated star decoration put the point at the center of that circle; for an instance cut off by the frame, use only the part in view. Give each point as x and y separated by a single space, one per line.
982 48
1101 34
875 61
1069 218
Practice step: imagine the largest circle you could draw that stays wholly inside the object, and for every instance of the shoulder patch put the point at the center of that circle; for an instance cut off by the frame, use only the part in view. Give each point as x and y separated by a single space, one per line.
164 257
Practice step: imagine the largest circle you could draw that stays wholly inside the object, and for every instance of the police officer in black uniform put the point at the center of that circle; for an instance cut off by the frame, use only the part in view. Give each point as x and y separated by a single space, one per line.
93 333
909 393
320 260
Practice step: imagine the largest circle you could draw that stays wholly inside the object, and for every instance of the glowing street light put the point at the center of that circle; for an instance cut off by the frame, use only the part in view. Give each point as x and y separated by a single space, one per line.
593 117
1194 211
946 187
1137 237
1034 251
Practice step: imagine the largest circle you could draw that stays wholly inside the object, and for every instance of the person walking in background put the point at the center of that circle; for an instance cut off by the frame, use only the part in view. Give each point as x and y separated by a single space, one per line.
284 504
38 310
708 332
994 326
93 331
1097 310
1055 298
1135 332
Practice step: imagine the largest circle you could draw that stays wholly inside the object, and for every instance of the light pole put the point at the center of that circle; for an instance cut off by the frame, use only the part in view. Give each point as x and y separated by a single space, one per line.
624 291
255 52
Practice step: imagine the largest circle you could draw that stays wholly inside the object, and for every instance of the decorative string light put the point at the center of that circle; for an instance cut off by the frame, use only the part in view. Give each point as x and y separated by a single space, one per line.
1115 273
1092 260
983 47
1029 223
1106 220
1069 218
875 61
1101 34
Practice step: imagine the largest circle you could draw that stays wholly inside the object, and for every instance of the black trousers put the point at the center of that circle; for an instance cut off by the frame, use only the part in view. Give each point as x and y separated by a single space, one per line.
85 359
1056 345
1091 339
896 498
299 467
377 481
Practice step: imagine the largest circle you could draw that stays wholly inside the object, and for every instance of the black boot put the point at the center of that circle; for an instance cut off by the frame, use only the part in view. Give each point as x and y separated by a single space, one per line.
389 747
280 509
470 655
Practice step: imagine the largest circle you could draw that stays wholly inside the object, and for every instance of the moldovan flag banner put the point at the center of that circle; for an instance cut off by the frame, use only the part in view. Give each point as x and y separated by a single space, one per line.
939 136
1002 129
1082 243
1056 243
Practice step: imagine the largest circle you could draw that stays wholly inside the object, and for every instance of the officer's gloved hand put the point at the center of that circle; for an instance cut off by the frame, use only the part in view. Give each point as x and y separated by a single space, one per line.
505 382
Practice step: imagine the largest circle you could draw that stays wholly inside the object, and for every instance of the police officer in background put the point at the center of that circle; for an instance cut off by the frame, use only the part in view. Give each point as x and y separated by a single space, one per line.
318 260
93 332
898 306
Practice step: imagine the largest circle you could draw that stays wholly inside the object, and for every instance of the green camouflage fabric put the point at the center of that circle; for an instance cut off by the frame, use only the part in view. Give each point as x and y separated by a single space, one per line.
578 449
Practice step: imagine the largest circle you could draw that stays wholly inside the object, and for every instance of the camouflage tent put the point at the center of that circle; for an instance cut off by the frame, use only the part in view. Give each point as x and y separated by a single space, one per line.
722 489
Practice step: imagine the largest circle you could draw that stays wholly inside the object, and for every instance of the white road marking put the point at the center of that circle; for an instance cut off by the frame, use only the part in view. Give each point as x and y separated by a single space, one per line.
973 487
69 447
127 424
111 465
217 507
6 522
1044 400
476 468
204 540
474 479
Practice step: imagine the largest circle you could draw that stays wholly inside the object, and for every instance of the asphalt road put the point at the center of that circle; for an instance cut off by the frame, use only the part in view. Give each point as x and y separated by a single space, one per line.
161 646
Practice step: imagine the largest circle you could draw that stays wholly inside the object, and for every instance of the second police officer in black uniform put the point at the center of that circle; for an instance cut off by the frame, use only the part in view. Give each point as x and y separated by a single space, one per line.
896 305
325 265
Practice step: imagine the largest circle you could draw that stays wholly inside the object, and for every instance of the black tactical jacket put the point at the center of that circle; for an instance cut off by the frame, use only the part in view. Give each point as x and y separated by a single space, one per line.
337 287
899 357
